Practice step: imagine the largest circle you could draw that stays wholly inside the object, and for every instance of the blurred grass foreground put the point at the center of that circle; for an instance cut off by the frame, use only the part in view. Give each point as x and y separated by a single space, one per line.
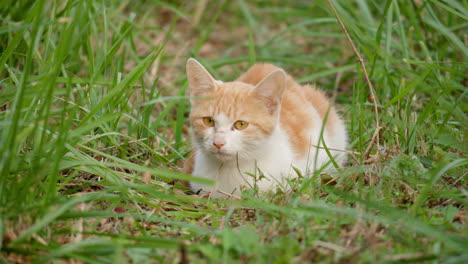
94 131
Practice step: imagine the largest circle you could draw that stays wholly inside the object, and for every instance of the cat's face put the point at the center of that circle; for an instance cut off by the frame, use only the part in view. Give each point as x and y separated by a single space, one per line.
232 120
230 123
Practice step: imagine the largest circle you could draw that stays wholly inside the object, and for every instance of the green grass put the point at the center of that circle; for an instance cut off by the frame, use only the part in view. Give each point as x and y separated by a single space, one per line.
93 132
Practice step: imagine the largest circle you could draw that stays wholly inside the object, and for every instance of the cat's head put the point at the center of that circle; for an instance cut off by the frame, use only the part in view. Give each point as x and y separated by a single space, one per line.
233 119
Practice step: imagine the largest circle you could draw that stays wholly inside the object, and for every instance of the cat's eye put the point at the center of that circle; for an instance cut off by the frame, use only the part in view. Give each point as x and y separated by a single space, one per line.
239 125
208 121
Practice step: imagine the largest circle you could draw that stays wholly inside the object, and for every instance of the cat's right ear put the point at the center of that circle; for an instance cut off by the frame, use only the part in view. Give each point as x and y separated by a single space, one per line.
270 90
200 81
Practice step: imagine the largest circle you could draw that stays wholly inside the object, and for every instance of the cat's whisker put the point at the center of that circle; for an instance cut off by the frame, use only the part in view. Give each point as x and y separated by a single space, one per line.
246 154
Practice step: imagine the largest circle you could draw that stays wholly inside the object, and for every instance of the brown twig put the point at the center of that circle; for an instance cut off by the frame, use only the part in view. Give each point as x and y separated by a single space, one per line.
229 195
350 152
374 138
201 5
330 246
339 150
183 254
363 66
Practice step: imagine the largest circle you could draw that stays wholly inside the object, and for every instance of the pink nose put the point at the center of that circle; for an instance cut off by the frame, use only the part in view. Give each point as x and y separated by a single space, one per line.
219 143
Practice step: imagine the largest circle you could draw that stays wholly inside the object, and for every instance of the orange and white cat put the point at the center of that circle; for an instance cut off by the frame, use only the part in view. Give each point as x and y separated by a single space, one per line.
262 123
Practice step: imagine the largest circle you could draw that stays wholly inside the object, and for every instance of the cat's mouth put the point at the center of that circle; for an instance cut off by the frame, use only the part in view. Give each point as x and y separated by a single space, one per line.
222 155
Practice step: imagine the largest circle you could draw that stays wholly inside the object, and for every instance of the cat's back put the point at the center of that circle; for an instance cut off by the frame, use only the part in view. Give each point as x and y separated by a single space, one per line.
257 73
304 108
294 93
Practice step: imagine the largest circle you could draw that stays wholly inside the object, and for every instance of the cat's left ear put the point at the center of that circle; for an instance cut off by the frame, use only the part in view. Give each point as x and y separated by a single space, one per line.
270 90
200 80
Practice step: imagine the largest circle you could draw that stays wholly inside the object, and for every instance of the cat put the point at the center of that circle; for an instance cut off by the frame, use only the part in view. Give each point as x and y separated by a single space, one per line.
263 124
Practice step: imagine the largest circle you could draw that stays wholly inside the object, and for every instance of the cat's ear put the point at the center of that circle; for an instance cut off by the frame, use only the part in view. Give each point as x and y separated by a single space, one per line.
200 81
270 90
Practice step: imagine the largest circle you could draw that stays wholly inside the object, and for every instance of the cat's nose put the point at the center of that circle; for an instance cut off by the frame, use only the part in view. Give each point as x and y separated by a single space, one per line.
219 143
